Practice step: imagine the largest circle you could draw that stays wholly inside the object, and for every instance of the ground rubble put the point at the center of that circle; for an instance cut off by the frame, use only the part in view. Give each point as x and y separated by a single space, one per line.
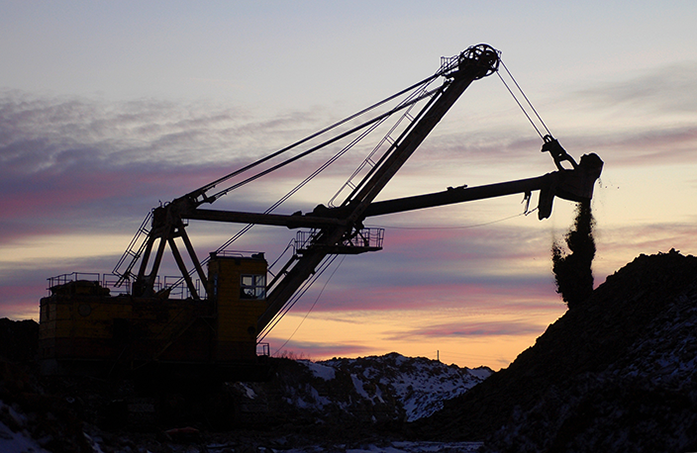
339 405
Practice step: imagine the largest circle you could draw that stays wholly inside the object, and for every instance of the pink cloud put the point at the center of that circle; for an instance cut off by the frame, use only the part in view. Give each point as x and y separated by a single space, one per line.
473 329
666 145
20 301
393 294
670 89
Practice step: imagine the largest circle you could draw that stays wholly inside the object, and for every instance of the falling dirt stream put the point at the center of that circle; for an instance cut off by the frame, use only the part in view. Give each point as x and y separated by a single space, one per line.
572 271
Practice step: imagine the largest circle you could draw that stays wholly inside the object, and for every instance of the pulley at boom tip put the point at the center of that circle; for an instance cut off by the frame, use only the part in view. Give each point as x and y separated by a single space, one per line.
476 61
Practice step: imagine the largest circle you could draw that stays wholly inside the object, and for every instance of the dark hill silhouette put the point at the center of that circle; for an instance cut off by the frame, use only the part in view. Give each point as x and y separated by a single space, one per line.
616 373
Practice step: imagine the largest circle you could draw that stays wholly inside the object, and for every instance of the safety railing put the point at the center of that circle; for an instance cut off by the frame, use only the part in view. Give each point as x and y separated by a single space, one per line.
238 254
72 277
364 239
448 64
178 289
263 349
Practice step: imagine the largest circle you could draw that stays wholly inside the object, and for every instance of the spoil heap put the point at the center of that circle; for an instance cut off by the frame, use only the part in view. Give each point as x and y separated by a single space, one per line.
616 373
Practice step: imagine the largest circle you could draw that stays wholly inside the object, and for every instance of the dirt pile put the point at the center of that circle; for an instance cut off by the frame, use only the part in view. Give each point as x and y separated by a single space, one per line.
617 373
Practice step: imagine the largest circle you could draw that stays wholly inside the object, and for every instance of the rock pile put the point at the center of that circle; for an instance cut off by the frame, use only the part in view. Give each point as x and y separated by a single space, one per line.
616 373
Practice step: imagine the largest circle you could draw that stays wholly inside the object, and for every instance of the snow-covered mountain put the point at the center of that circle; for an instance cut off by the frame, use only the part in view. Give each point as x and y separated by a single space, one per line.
381 390
419 385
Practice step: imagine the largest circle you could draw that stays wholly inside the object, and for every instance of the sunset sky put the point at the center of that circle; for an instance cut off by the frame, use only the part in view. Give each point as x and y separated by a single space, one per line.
109 108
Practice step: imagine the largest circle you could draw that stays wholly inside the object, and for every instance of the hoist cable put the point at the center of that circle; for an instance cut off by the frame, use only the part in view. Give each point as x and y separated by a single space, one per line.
341 152
417 95
414 98
526 98
314 135
302 184
322 145
390 152
329 162
369 158
326 263
313 304
515 98
522 108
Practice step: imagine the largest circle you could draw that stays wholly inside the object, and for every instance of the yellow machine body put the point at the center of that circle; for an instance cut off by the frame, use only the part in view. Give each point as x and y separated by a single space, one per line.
237 287
83 329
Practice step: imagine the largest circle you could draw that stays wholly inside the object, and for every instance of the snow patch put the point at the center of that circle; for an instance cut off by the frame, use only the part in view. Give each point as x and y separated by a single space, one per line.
320 371
358 384
11 442
419 385
481 372
249 392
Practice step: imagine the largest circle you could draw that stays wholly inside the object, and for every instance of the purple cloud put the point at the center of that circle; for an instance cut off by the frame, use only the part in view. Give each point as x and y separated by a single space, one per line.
666 89
466 329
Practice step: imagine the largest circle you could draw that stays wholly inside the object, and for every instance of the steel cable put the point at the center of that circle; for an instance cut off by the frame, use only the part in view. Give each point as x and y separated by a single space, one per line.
314 135
522 108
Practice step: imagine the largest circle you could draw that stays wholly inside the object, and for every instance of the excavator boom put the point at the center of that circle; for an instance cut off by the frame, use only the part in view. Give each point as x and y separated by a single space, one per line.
574 185
472 64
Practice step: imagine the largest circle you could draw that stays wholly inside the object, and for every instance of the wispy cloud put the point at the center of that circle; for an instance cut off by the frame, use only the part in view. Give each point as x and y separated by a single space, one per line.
666 89
41 132
467 329
658 145
69 161
644 120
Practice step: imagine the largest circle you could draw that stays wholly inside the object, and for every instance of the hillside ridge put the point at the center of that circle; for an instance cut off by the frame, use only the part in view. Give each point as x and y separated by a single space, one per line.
616 373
